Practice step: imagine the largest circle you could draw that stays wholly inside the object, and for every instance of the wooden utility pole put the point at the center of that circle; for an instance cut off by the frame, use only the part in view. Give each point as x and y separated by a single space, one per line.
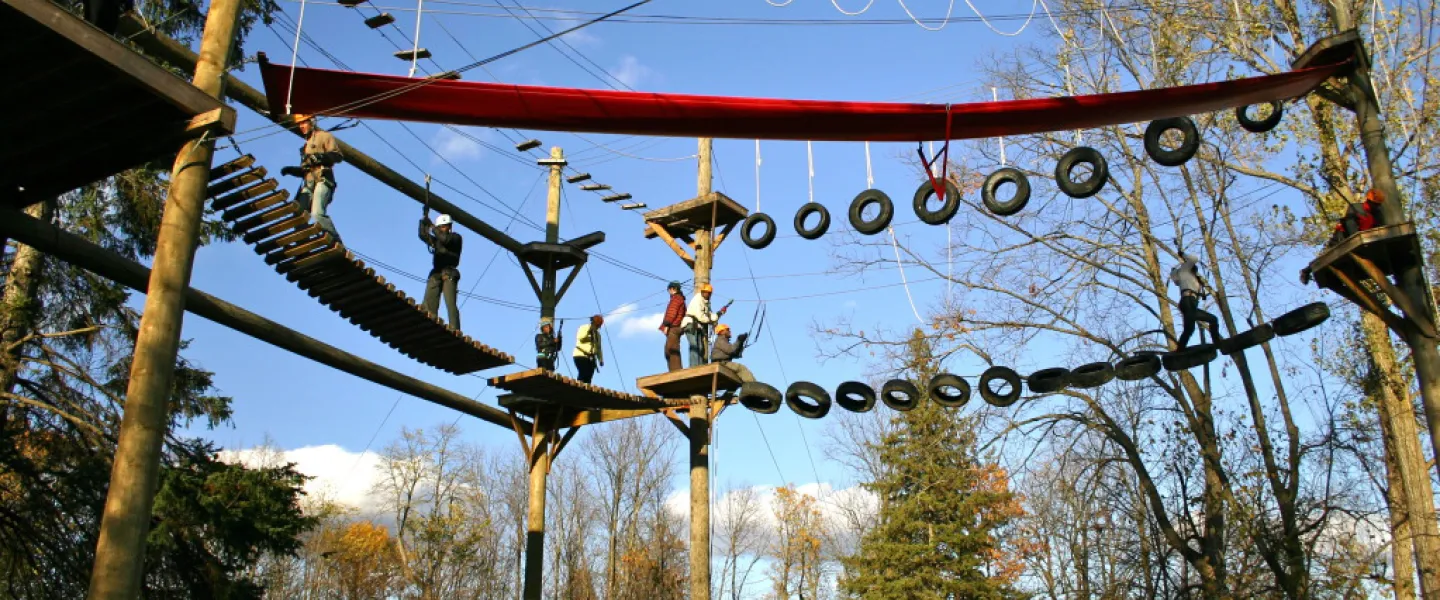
700 411
119 555
552 231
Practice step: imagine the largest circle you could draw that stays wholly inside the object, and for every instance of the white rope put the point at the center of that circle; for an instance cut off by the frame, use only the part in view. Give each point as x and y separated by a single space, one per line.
869 174
1033 3
848 13
995 93
896 245
943 23
757 174
810 159
415 53
787 3
294 56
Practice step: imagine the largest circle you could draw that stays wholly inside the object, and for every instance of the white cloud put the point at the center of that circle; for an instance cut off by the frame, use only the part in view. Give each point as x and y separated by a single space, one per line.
339 475
631 72
454 147
579 37
630 322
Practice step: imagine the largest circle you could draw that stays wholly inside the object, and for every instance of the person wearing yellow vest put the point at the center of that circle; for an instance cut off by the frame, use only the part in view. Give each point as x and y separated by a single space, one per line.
588 350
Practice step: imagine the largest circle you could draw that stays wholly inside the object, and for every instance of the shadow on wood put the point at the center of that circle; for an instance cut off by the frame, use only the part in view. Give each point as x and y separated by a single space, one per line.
695 381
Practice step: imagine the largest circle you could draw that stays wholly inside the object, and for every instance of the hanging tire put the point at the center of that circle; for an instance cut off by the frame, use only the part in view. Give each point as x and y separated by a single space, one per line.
760 397
992 185
881 221
1249 338
1189 141
946 380
1092 375
1138 366
947 210
1277 110
855 396
1048 381
1188 358
747 231
900 394
1300 319
1003 374
819 404
1100 171
820 228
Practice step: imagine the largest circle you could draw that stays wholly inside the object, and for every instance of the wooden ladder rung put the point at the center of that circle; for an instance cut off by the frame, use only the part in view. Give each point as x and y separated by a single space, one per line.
232 167
236 182
247 194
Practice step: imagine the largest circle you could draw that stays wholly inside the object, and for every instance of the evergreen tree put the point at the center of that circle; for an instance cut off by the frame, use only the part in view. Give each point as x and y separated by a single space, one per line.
942 510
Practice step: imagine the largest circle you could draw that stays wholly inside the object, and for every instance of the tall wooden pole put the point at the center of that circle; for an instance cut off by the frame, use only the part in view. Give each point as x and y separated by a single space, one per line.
700 414
119 555
541 440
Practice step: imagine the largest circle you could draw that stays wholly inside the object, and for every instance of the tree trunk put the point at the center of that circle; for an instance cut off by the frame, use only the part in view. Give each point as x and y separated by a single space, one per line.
20 307
1401 545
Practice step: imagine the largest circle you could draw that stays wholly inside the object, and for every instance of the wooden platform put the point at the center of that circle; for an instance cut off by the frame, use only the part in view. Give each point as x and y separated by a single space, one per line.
538 386
685 218
280 231
1360 267
683 384
1391 248
78 106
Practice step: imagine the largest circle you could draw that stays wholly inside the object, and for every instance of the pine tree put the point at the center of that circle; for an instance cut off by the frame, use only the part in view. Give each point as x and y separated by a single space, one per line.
942 511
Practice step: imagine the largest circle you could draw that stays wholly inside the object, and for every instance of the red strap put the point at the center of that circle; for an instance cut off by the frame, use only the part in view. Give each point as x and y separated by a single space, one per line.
945 160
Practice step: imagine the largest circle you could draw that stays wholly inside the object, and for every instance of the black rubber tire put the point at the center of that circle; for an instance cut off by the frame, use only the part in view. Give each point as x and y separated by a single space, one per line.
1300 319
820 228
902 387
760 397
1006 374
1188 358
1277 110
1089 187
1189 143
946 380
805 389
844 391
946 211
1249 338
1092 375
747 230
992 184
881 221
1048 381
1138 366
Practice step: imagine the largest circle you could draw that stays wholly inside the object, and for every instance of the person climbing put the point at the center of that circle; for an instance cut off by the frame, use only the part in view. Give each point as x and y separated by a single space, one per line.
588 351
725 353
318 158
445 245
697 323
1359 216
671 326
1192 288
547 346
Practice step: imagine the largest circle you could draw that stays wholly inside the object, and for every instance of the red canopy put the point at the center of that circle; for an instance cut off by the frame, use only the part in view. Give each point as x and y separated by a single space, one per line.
455 102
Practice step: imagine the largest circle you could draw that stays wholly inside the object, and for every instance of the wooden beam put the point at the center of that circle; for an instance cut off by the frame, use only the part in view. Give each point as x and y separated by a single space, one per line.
675 420
170 51
670 241
220 121
1401 299
565 439
1356 293
81 253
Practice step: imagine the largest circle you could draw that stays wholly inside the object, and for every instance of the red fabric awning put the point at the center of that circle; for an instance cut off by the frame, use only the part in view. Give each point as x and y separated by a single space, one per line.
371 96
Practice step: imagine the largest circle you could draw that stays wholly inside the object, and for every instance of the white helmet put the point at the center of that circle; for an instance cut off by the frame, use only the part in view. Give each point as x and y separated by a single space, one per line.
442 220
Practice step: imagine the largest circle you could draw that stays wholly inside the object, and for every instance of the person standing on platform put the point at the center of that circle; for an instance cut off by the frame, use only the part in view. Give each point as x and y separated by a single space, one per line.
1192 287
725 353
547 346
318 158
672 326
1358 217
445 245
698 321
588 350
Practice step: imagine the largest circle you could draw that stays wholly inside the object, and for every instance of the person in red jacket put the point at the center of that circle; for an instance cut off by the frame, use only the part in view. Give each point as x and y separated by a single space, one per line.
1358 217
670 326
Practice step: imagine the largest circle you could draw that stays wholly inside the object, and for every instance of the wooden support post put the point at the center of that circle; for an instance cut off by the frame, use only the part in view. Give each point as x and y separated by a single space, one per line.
700 413
552 234
134 476
535 516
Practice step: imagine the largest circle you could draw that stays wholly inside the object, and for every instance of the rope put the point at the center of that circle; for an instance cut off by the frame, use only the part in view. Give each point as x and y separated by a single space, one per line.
836 3
943 22
415 52
757 175
896 245
869 173
995 95
294 56
810 161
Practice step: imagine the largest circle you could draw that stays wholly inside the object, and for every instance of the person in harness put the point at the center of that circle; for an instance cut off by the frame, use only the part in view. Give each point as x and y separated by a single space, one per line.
725 352
1358 217
697 323
547 346
1192 289
318 158
672 326
588 350
445 245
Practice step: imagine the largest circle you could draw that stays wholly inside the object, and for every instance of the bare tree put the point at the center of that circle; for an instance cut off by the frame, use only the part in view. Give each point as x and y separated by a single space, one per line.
741 543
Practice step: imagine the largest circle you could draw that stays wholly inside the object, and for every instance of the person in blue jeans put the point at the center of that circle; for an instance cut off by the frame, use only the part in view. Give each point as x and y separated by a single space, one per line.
318 158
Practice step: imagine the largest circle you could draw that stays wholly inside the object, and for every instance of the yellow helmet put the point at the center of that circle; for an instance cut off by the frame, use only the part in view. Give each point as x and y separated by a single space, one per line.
722 329
299 118
705 287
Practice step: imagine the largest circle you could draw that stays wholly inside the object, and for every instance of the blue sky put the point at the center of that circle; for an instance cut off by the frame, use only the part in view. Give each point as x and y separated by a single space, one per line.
298 403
